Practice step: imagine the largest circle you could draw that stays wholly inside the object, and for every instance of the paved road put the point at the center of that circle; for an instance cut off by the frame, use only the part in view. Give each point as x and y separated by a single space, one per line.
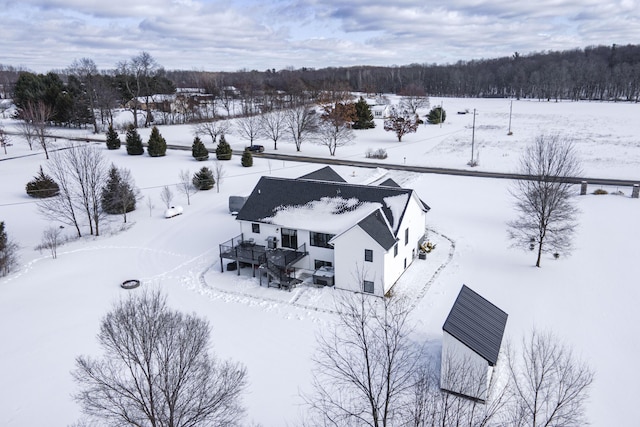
409 168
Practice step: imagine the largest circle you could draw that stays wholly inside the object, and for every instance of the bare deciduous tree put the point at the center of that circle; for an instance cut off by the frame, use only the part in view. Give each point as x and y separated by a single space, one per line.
334 129
185 185
4 139
550 386
51 240
150 204
157 370
546 214
213 128
413 97
273 125
166 195
249 127
301 123
28 131
364 367
218 173
401 122
38 115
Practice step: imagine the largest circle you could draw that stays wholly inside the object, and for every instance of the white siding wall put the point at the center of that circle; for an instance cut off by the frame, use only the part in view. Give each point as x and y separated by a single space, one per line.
351 268
266 230
463 371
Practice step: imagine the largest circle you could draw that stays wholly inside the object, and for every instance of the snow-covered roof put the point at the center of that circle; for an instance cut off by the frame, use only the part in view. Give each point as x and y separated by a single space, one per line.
477 323
322 206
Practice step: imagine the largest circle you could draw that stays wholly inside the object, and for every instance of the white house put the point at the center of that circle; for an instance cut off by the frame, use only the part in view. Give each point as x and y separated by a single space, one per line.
472 336
356 237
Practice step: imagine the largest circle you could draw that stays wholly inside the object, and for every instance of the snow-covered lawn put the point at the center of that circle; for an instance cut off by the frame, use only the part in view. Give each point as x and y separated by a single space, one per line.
50 309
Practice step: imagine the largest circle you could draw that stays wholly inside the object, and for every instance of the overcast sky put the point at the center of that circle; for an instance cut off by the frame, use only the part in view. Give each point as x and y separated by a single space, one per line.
246 34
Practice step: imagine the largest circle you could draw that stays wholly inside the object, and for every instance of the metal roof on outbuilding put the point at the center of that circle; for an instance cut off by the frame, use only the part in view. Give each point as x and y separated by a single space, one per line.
477 323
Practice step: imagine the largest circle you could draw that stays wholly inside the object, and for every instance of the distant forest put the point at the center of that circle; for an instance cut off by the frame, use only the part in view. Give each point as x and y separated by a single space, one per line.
593 73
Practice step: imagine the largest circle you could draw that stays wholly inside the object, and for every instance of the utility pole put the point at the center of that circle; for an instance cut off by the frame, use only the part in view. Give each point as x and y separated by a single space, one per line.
510 110
473 137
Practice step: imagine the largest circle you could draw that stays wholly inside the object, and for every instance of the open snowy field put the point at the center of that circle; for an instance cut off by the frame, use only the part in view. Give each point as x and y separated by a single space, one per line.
50 309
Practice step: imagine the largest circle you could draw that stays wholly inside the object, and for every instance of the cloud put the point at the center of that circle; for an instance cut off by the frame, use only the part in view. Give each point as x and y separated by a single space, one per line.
217 35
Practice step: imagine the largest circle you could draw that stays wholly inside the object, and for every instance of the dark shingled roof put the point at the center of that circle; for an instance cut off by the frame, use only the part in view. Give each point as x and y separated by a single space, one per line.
389 183
271 193
324 174
477 323
376 227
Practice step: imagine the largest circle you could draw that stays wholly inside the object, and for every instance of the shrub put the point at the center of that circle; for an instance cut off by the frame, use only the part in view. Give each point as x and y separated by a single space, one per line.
157 146
436 116
113 140
198 150
380 153
223 150
42 186
600 192
203 179
247 158
134 142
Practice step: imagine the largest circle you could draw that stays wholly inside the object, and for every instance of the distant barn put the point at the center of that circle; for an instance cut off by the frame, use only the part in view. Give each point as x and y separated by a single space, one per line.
472 336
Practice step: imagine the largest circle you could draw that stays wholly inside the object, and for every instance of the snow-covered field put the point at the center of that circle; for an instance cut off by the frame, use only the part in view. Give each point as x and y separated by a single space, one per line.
50 309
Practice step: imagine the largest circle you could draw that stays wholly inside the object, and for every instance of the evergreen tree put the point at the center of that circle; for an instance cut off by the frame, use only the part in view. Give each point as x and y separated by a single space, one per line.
247 158
118 196
223 150
8 252
436 116
364 117
134 142
42 186
198 150
203 179
157 146
113 140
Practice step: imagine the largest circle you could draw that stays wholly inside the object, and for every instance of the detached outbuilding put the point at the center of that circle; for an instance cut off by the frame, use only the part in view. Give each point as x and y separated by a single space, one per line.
472 337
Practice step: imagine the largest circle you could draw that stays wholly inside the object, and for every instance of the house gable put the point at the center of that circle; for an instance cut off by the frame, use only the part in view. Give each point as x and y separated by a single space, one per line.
324 174
477 323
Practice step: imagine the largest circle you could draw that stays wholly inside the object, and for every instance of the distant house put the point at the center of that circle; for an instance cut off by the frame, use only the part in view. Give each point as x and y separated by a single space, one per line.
380 111
472 336
356 237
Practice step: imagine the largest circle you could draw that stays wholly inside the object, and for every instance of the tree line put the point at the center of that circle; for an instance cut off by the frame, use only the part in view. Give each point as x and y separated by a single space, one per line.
82 95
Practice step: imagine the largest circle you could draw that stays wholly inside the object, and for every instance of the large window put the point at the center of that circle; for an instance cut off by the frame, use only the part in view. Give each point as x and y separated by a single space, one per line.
255 228
320 240
289 238
368 287
368 255
395 250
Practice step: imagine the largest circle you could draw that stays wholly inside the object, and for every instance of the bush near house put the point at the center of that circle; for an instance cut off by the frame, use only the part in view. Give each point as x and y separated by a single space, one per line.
42 186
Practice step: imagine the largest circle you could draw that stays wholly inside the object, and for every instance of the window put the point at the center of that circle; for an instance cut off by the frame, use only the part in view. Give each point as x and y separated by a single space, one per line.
368 255
368 286
395 250
320 263
320 240
406 236
255 228
289 238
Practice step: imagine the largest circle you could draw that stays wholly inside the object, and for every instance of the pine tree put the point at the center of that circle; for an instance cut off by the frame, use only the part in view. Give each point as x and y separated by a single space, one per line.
198 150
247 159
436 116
203 179
134 142
118 196
223 150
42 186
113 140
364 117
157 146
8 252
